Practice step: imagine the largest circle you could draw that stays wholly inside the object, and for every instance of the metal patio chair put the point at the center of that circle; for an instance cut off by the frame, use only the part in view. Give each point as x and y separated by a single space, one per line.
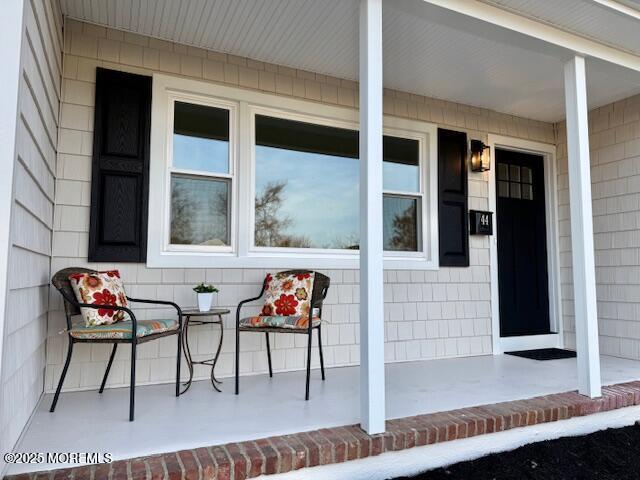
319 292
145 332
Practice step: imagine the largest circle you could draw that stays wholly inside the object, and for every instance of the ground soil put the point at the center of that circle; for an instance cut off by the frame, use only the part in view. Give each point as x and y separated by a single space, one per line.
607 455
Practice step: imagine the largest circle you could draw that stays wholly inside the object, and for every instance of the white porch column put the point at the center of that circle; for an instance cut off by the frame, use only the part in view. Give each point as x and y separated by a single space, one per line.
584 274
372 403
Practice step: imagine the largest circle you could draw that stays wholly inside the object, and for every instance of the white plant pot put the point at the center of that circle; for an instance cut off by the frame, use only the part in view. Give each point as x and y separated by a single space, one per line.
204 301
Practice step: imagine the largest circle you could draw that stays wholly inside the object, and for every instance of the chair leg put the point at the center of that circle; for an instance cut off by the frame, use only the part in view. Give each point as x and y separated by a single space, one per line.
64 374
178 363
132 387
320 349
269 354
106 373
237 360
306 397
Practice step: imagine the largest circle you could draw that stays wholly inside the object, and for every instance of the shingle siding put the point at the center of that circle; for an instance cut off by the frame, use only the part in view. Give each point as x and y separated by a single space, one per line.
614 137
427 314
22 378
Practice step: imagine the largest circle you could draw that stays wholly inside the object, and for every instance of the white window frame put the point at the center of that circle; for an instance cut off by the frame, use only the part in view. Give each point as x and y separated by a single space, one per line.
243 105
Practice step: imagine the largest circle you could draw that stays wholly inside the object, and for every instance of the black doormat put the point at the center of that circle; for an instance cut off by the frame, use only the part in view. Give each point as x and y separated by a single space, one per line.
544 354
612 454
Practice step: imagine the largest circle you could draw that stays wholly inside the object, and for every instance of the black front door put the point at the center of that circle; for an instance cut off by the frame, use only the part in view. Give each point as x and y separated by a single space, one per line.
522 244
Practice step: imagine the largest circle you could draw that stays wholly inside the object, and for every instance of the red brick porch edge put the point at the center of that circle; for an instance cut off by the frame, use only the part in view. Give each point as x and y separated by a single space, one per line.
238 461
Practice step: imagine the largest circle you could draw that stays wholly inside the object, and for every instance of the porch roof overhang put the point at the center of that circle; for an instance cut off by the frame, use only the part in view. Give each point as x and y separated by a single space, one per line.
502 55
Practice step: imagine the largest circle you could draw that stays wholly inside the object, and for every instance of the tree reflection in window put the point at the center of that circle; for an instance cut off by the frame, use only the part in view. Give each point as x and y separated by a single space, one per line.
400 216
271 225
199 211
306 181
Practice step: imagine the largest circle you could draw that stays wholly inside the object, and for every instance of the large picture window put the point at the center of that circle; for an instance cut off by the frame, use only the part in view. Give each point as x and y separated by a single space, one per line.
246 179
307 183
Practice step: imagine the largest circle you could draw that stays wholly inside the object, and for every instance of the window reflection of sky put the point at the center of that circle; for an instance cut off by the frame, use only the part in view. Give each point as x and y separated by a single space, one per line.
400 177
202 154
321 195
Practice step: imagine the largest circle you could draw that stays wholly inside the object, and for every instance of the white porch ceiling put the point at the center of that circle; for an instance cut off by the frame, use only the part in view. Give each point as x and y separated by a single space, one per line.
435 53
590 18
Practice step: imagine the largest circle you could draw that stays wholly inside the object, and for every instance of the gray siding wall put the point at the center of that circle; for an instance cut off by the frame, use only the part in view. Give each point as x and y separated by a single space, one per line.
614 135
22 377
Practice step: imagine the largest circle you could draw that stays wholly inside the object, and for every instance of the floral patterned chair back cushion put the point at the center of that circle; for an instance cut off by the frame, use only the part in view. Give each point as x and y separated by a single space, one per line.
100 288
288 295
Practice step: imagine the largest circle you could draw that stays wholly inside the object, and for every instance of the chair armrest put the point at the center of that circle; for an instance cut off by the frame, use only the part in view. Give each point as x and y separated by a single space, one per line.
96 306
105 307
325 290
243 302
159 302
75 302
134 322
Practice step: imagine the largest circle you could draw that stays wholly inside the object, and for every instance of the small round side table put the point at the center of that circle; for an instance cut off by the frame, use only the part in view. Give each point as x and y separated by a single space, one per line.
217 313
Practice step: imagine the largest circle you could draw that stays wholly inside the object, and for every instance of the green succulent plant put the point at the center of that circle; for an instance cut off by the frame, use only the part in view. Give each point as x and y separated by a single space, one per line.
205 288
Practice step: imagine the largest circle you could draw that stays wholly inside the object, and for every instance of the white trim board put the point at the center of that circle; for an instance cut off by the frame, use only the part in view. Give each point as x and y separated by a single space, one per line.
555 40
419 459
530 342
548 152
620 8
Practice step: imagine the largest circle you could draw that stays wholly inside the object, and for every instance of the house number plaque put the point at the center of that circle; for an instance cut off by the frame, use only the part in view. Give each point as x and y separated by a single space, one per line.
481 222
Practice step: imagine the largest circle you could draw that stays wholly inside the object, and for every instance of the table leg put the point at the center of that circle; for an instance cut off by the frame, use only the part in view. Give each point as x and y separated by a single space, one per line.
187 354
214 380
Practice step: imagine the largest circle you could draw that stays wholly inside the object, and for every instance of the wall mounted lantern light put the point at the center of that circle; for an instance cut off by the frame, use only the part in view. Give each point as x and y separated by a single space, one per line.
480 157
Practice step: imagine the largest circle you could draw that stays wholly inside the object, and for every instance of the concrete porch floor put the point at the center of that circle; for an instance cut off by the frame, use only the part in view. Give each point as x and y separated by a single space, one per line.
88 422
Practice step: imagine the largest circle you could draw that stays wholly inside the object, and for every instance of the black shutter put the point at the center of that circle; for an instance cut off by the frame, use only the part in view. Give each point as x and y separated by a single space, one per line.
120 176
452 199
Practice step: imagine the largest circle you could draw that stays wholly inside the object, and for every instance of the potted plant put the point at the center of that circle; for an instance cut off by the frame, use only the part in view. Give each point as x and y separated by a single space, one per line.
205 296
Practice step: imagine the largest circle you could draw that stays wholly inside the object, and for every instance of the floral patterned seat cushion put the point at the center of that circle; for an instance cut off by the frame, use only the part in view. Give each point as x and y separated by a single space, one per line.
288 294
101 288
122 330
278 321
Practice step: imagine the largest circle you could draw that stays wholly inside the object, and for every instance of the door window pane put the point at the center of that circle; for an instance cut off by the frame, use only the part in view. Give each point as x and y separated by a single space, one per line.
199 211
401 164
503 189
200 138
526 175
503 171
515 190
527 191
401 224
514 173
